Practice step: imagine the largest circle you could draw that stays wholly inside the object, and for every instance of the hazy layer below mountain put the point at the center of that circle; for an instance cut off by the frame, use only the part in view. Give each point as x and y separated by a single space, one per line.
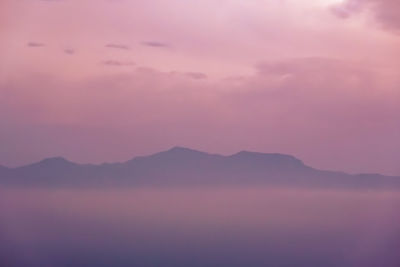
197 227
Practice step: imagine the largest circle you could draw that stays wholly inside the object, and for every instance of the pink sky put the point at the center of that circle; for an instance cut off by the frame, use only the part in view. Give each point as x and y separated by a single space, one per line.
106 80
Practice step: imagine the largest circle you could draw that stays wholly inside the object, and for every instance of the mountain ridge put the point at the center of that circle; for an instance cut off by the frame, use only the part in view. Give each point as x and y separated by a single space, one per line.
185 166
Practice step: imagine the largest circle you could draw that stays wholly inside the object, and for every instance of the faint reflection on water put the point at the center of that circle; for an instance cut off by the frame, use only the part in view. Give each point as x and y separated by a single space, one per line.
199 227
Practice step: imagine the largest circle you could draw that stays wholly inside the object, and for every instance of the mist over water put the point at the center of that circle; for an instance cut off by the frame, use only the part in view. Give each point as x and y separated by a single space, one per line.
202 226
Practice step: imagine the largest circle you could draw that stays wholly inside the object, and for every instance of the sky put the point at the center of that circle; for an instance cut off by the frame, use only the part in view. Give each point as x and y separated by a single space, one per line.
106 80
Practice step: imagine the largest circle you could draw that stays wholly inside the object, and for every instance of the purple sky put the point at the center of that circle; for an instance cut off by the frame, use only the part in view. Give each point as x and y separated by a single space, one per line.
106 80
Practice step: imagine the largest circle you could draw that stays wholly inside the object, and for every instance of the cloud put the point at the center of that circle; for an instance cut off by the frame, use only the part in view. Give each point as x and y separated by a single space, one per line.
155 44
69 51
117 63
118 46
386 12
35 44
346 9
196 75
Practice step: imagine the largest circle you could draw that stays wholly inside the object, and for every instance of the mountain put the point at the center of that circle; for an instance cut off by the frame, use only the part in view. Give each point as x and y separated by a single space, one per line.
4 170
187 167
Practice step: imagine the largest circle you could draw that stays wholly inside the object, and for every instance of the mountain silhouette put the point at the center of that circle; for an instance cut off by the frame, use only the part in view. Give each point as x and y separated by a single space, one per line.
181 166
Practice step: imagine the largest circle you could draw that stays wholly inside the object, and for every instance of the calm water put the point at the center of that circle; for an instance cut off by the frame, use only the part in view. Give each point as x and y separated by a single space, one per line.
199 227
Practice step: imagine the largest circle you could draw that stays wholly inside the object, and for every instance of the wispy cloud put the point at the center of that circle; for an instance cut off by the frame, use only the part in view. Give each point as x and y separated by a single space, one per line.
117 63
155 44
196 75
35 44
69 51
118 46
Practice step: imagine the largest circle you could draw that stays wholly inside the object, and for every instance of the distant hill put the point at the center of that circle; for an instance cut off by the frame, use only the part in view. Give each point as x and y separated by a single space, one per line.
186 167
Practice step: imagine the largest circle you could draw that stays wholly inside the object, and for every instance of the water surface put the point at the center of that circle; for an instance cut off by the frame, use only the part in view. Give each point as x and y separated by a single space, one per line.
220 226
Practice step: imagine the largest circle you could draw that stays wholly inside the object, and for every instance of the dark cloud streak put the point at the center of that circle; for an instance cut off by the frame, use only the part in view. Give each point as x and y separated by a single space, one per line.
69 51
35 44
155 44
118 46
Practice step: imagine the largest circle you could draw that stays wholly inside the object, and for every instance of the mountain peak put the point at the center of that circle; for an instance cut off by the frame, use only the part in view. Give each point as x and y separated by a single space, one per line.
181 149
55 161
178 151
